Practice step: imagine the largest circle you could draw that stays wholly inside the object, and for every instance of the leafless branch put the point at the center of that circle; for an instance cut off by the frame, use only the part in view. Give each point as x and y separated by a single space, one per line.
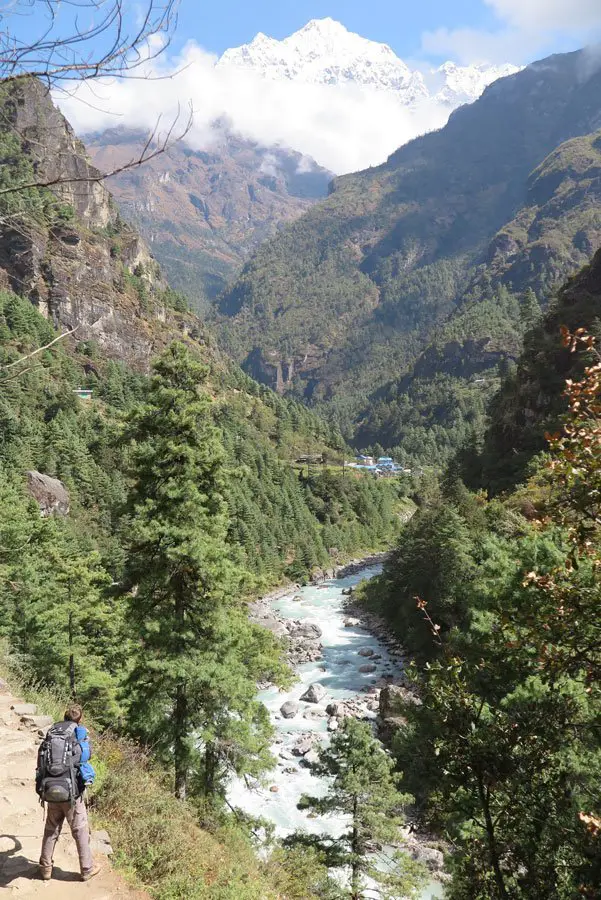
81 41
23 359
153 147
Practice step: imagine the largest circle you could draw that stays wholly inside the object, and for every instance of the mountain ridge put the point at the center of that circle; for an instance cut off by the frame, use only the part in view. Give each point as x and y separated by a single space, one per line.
353 291
204 211
325 52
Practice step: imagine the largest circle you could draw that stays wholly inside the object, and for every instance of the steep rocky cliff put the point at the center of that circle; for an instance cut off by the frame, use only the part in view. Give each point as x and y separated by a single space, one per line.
66 247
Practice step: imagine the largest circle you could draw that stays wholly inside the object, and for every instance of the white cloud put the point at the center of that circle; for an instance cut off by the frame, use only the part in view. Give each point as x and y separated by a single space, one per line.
343 127
548 15
525 29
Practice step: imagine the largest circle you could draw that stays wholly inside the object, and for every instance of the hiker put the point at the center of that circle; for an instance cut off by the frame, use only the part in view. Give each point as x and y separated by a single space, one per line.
62 773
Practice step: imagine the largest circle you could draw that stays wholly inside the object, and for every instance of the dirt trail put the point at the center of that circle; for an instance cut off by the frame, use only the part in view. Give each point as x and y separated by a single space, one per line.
22 822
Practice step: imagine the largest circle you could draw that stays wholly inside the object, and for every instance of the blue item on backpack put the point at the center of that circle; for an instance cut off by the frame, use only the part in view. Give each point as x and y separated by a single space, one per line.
86 769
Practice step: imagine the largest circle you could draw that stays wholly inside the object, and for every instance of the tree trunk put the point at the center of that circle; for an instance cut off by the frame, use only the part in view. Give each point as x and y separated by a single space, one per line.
355 864
492 841
180 715
180 749
71 658
210 769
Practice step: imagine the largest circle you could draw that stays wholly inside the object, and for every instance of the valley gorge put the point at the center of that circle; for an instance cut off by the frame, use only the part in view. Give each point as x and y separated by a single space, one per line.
371 400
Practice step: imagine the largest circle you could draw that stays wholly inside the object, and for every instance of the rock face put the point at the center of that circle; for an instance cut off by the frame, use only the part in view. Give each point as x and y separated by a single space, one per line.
314 693
80 265
50 494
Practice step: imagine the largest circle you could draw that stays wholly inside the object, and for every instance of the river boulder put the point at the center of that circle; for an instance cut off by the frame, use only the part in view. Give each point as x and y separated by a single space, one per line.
303 746
314 715
277 628
430 856
289 709
366 651
307 630
314 693
367 668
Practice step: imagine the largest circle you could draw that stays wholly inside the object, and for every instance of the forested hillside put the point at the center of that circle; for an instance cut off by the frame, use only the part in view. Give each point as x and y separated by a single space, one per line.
414 253
149 490
503 753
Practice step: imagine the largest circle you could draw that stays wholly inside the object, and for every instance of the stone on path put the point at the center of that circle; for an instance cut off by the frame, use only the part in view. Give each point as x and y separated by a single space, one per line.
314 693
100 843
24 709
43 722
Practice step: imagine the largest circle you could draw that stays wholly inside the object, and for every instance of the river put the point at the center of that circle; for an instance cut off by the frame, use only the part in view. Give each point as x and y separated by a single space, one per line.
339 674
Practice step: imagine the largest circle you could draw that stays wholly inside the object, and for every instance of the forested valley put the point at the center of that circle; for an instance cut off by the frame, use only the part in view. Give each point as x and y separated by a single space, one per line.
151 490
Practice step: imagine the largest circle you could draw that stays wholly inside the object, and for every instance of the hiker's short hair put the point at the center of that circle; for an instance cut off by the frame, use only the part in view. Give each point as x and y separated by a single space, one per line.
73 713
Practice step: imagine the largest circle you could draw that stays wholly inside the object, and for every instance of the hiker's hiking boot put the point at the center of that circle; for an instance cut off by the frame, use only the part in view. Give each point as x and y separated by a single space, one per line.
85 876
45 872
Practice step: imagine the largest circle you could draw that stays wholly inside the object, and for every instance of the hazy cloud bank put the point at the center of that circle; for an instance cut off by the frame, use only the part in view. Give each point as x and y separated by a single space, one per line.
343 127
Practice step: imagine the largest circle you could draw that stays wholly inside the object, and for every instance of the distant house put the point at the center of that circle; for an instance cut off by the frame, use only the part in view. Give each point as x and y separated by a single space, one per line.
367 468
365 460
83 393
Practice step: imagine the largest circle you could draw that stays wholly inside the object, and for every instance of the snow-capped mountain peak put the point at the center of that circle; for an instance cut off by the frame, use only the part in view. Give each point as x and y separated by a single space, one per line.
325 52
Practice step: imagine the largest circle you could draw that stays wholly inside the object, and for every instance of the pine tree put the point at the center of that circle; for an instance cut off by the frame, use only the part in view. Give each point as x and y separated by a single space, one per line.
364 788
197 658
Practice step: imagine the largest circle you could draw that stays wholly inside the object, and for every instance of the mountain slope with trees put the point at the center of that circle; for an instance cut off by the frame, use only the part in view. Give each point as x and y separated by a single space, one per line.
353 292
503 752
204 212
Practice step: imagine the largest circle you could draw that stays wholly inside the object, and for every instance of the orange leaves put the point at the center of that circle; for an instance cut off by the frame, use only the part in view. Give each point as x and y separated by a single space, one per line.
591 823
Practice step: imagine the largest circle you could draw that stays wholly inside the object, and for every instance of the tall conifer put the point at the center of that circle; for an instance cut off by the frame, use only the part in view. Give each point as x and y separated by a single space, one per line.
197 658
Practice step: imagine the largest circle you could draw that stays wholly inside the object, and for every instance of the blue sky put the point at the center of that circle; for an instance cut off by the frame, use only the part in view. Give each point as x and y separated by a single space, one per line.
500 30
399 23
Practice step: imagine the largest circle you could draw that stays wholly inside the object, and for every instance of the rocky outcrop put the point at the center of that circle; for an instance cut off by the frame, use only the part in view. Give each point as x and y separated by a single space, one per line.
50 494
76 259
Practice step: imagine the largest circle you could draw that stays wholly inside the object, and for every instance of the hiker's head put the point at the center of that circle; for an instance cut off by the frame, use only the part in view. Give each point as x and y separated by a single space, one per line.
73 713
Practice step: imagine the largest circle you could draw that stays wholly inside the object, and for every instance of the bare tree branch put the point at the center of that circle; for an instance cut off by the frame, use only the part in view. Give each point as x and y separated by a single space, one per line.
151 149
82 41
22 359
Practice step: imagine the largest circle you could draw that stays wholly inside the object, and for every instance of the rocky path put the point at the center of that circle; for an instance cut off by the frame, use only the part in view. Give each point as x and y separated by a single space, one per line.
22 821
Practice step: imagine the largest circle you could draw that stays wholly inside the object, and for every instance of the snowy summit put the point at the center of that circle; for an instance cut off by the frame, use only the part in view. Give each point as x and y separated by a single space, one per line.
325 52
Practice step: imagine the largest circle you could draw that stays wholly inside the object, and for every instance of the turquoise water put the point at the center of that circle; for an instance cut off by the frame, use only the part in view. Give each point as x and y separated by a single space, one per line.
339 674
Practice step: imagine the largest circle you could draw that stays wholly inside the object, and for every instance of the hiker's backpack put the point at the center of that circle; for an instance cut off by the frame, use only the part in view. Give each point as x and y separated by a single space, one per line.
57 775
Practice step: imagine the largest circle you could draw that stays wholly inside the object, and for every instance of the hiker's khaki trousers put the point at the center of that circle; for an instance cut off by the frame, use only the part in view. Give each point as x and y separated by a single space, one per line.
77 817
